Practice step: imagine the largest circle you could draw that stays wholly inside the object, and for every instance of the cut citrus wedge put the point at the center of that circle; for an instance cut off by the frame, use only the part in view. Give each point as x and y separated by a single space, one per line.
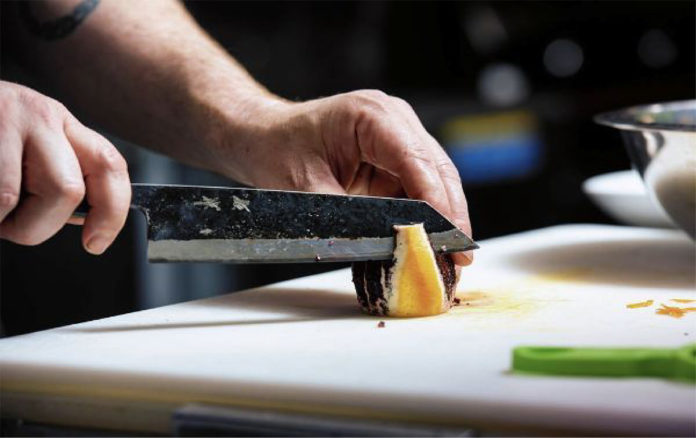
416 282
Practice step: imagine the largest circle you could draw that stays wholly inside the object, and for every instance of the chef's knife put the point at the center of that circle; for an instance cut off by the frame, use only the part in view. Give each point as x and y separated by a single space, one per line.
236 225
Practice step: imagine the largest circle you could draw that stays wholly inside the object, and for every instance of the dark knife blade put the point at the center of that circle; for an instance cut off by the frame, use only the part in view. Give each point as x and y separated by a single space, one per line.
236 225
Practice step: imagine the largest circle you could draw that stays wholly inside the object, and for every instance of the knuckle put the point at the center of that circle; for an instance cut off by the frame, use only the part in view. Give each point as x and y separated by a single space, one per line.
71 191
40 107
401 103
415 156
422 163
8 102
373 94
17 100
11 93
448 170
110 160
415 152
369 102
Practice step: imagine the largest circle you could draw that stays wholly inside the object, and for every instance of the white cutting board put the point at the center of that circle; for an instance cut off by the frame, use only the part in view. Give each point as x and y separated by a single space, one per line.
303 346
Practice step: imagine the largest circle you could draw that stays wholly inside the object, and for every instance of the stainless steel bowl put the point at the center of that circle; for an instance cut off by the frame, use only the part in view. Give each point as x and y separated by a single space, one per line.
661 142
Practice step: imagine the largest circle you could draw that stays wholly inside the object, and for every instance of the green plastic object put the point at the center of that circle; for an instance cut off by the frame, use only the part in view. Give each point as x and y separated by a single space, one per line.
668 363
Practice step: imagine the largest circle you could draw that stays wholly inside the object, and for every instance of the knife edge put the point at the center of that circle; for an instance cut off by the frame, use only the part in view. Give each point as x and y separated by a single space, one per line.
292 250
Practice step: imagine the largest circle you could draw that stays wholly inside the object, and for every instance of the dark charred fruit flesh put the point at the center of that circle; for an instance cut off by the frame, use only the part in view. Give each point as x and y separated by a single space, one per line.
415 282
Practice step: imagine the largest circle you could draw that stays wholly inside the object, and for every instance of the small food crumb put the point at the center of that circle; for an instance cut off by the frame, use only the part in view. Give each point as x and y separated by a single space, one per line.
317 258
674 312
331 243
647 303
381 324
682 300
443 248
457 301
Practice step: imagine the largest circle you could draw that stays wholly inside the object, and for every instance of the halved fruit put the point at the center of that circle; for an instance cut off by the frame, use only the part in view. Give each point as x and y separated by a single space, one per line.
416 282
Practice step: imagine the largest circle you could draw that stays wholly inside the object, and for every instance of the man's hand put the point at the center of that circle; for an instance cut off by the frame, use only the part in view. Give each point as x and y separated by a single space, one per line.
48 160
364 143
194 102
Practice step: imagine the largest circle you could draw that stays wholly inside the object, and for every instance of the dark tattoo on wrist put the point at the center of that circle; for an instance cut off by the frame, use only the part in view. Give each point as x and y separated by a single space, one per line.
60 27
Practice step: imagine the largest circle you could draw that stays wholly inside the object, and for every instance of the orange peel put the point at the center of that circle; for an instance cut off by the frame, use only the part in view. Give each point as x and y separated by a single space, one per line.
674 312
647 303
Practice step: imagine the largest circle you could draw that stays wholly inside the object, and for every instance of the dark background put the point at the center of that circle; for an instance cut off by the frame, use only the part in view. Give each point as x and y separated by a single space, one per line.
437 55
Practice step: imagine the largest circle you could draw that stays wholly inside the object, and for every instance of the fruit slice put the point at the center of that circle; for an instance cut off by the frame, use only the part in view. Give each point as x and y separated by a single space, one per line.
416 282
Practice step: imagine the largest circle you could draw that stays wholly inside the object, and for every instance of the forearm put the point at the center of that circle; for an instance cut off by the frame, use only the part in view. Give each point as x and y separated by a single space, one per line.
145 71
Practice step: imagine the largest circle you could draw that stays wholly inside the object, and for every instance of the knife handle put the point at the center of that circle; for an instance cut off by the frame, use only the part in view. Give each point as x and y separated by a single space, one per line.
138 199
81 210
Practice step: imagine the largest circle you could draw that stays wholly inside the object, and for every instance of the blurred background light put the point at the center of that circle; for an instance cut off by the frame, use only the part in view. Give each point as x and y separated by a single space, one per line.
656 49
493 147
502 85
484 29
563 58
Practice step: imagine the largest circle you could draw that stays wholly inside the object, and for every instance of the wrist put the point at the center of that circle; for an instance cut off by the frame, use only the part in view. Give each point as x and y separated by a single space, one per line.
250 135
257 139
229 122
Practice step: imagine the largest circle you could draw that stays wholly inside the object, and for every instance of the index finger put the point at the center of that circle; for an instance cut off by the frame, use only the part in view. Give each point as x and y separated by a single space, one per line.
393 147
457 200
458 208
107 182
